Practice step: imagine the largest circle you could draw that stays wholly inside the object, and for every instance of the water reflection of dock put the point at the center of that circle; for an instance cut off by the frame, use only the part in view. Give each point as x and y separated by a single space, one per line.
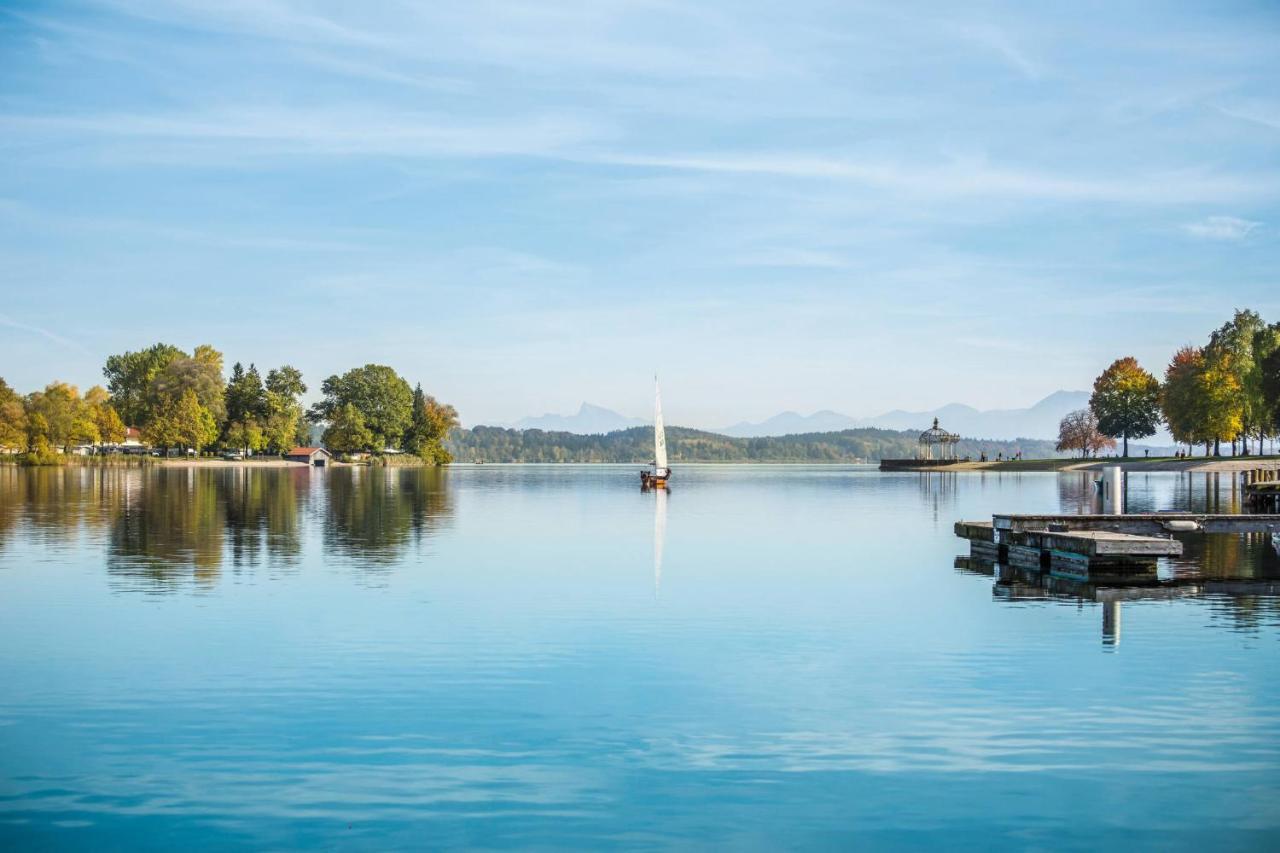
1240 581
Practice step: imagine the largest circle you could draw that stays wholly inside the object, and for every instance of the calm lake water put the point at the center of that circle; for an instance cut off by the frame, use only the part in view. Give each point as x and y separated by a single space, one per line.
767 657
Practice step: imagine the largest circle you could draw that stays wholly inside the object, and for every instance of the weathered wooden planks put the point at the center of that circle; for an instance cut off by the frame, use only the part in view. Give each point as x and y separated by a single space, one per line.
1100 544
1092 555
1142 524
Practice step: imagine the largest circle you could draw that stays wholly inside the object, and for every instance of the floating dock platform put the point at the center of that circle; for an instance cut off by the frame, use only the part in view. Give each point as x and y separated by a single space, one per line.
1086 554
1143 523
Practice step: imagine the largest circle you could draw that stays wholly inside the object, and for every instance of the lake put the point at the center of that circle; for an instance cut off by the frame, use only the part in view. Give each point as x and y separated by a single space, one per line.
544 656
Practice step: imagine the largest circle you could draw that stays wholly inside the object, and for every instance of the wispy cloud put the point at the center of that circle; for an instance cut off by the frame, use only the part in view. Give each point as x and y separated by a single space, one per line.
999 42
971 179
1255 111
9 322
793 257
1227 228
230 135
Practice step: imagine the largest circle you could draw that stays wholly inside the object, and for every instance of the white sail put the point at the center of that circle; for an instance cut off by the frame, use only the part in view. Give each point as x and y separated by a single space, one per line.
659 431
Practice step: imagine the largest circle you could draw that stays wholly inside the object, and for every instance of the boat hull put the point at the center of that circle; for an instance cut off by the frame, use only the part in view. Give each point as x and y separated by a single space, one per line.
654 480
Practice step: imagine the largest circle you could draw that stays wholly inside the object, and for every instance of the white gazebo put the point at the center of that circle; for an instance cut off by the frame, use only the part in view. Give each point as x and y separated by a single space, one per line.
936 444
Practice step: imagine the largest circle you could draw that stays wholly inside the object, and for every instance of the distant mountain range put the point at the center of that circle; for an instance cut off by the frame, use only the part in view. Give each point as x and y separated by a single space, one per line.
1038 421
589 420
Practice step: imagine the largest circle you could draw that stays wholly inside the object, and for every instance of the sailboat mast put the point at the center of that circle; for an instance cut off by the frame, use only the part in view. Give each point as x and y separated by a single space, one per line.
659 430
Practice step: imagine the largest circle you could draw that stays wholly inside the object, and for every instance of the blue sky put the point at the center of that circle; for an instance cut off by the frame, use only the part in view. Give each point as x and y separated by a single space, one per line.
799 206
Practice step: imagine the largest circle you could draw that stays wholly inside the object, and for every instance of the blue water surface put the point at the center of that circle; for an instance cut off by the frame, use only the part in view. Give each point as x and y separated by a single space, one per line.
767 657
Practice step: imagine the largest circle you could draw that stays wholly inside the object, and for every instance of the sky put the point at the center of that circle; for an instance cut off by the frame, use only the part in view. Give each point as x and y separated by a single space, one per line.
525 205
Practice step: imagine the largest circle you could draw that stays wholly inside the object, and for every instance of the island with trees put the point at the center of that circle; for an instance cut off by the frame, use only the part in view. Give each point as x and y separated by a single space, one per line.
181 403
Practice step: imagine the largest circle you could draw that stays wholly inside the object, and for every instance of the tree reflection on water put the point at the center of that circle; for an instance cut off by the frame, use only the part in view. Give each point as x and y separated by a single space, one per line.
371 515
169 528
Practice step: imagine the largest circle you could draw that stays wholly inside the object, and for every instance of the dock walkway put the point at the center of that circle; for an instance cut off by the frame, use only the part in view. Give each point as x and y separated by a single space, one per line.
1097 555
1143 524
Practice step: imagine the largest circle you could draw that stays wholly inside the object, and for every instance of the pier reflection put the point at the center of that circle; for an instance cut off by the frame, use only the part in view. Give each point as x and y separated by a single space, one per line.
1236 575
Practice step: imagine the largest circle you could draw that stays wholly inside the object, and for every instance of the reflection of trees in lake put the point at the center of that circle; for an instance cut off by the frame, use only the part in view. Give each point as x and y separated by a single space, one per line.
1077 492
170 531
373 514
166 527
264 515
58 504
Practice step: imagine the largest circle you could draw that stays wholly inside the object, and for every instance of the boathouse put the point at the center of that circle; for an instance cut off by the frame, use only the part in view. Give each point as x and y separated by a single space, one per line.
316 456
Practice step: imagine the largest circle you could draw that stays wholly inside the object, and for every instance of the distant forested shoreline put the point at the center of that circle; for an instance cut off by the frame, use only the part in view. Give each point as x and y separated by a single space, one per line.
635 445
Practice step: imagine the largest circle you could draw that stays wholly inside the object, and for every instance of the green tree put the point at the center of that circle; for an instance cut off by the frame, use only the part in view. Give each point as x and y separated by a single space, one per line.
200 373
1236 338
67 419
13 419
196 425
1182 398
245 435
129 377
429 427
381 396
285 425
182 422
1266 352
37 433
1221 391
1126 401
105 418
1271 388
161 429
286 381
246 397
347 432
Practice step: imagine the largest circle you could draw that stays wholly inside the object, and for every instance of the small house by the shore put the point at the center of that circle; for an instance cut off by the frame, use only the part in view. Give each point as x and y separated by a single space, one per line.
317 456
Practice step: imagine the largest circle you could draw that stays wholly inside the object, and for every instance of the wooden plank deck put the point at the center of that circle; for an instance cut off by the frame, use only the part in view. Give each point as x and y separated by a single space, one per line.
1089 554
1143 524
1100 544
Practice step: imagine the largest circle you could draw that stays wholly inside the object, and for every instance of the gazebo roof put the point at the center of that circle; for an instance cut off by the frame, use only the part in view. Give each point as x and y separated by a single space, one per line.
938 435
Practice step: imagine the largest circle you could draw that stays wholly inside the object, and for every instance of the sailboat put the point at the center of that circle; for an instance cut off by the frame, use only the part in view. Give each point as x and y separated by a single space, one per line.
659 473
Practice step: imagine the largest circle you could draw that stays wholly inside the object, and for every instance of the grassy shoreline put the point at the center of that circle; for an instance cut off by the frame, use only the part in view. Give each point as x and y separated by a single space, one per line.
1199 464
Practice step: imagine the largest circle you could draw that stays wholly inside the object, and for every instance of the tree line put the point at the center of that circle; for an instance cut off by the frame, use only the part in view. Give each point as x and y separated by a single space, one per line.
498 444
1227 390
183 401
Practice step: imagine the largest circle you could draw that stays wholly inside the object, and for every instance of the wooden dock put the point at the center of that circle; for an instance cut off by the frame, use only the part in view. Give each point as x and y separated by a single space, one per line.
1142 524
1095 555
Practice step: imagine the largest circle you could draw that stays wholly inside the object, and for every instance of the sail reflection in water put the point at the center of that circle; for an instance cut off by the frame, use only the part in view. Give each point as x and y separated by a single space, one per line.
659 537
168 528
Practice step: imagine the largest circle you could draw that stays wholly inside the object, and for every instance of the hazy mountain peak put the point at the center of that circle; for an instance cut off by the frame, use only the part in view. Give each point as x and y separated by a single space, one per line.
1037 421
590 419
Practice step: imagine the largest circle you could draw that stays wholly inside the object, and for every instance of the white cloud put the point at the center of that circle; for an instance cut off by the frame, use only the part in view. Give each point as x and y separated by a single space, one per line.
1229 228
331 131
11 323
969 179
